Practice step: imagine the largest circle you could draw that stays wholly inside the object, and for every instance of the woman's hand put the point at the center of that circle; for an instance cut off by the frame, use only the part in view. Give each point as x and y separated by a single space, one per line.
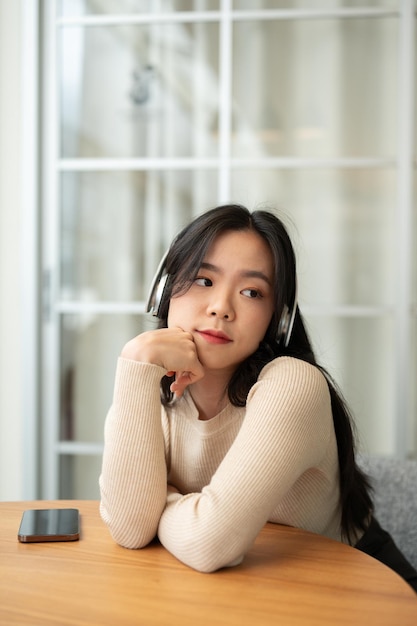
171 348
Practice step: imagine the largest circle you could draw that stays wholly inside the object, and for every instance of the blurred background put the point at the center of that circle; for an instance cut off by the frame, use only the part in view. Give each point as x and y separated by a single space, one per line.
121 120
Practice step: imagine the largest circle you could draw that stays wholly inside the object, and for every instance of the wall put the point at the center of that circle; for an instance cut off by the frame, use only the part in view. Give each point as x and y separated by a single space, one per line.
11 349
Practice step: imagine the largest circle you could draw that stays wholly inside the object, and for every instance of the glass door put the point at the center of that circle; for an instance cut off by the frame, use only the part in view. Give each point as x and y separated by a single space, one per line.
155 111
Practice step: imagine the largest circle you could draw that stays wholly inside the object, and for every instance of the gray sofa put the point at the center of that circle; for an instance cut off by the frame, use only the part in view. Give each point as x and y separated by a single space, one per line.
395 497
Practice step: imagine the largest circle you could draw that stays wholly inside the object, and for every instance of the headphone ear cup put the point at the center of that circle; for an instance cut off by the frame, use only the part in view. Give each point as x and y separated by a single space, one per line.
157 289
159 293
286 323
283 325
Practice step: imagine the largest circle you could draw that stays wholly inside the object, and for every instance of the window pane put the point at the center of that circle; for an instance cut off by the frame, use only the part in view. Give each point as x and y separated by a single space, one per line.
344 222
413 370
79 476
139 91
90 345
413 390
115 226
358 354
415 120
414 247
413 251
315 88
314 4
73 8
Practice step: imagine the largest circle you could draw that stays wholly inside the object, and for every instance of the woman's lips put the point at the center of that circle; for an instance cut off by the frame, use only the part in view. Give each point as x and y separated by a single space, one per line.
214 336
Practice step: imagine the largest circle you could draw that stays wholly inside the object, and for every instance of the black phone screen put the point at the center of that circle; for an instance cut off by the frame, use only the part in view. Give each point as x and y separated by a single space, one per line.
49 525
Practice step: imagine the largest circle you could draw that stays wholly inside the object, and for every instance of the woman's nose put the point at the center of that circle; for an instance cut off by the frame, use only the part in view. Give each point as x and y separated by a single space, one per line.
219 314
221 307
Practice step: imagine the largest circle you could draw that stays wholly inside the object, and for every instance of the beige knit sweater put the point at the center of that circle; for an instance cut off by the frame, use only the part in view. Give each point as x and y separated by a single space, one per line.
208 487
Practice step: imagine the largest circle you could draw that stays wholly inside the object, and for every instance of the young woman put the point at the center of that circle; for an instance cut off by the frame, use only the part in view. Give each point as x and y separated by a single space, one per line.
222 420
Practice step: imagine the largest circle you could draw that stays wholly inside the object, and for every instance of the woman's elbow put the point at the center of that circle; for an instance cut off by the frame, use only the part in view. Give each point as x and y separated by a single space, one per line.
133 540
215 565
206 560
133 535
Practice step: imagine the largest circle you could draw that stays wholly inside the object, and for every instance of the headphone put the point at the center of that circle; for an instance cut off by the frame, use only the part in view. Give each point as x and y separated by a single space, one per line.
157 289
159 284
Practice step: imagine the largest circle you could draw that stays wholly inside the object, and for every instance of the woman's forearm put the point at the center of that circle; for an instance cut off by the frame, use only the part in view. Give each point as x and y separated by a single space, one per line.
133 481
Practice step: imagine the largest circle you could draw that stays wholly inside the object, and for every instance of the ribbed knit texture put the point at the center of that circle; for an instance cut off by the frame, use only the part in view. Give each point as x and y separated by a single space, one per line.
274 460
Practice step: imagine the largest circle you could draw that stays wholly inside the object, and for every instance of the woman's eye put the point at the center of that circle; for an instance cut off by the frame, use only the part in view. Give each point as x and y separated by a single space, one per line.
252 293
203 282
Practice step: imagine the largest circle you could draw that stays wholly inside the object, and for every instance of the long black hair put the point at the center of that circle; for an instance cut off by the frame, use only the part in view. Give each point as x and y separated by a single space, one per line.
183 262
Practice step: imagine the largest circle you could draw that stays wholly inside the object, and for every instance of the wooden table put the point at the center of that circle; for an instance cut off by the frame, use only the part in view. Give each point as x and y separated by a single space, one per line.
290 577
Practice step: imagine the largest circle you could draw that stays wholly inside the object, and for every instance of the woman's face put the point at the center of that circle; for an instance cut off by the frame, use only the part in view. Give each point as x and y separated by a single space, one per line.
230 304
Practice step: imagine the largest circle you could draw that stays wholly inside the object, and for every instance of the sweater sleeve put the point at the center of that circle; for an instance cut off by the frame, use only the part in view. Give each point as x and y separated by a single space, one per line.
285 432
133 480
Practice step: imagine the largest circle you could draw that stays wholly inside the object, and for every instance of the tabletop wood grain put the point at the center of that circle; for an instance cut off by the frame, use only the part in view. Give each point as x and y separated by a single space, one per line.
289 577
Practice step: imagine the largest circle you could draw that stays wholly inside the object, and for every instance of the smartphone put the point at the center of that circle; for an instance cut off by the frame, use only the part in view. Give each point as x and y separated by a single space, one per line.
49 525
